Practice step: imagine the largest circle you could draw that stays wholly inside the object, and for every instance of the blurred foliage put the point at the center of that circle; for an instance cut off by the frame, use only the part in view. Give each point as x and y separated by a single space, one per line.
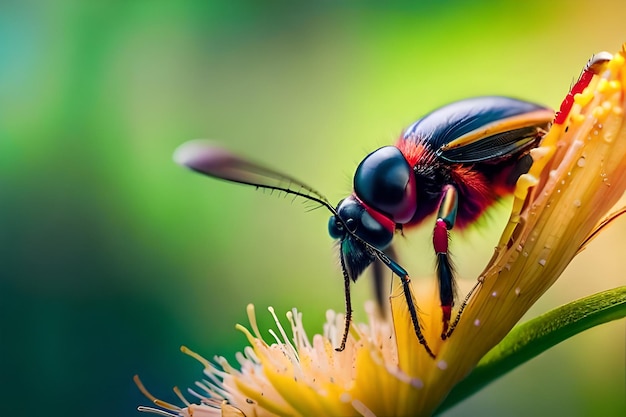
112 256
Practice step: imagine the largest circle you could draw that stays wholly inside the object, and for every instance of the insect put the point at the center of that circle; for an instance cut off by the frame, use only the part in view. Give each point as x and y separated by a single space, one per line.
454 162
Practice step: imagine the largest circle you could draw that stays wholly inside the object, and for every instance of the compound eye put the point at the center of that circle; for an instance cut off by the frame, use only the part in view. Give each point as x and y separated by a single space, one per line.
335 228
357 220
385 181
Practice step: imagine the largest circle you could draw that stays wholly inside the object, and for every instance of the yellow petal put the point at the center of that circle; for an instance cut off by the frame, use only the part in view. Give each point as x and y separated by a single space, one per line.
579 174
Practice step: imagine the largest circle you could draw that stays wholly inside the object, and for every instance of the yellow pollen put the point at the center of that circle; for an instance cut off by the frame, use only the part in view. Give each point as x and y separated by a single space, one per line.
582 99
598 112
616 63
577 119
525 182
540 153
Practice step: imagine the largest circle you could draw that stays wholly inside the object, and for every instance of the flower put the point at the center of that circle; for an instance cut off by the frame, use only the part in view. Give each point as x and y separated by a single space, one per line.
578 175
307 377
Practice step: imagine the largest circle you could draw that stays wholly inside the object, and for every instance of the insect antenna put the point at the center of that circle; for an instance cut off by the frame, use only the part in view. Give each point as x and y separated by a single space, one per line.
310 205
207 158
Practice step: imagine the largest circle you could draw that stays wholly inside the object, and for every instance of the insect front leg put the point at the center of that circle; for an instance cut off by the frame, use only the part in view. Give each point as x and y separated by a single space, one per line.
446 217
381 282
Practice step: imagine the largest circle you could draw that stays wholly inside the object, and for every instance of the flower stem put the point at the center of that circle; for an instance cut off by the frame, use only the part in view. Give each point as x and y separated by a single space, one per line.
530 339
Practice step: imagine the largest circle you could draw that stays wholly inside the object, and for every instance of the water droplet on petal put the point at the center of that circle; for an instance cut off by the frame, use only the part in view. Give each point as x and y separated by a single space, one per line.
417 383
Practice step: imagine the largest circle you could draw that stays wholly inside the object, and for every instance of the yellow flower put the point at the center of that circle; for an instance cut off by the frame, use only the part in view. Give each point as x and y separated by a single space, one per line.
578 174
298 376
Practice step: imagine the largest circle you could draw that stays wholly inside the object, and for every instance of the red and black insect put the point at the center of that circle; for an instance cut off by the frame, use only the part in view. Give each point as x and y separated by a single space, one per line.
453 163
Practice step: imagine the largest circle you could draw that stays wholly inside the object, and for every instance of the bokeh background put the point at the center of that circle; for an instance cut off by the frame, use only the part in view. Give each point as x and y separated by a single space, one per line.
112 256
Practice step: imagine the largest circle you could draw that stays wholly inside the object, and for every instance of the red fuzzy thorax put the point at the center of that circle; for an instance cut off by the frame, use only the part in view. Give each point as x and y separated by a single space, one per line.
479 185
475 194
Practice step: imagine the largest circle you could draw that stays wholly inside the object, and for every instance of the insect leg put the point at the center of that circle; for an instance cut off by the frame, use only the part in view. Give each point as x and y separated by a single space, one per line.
413 312
446 218
463 305
348 316
380 282
404 277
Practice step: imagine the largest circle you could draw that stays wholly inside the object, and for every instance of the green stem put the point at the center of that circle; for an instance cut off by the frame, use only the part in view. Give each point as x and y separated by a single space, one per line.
530 339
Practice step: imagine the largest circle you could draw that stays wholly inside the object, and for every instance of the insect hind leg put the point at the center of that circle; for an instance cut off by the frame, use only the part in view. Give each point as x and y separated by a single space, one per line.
462 308
446 218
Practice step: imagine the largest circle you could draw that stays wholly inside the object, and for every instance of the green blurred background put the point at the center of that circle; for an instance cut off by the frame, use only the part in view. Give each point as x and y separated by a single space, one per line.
113 256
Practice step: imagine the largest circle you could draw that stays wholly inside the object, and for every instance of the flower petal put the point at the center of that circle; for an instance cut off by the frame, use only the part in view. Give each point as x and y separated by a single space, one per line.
578 175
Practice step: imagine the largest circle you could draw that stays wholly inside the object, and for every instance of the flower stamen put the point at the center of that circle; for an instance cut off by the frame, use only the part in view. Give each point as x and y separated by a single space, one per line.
156 411
155 400
180 395
286 343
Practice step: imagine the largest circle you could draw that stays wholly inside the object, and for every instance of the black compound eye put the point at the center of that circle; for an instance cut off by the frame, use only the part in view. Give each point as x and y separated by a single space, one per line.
353 216
335 228
385 181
